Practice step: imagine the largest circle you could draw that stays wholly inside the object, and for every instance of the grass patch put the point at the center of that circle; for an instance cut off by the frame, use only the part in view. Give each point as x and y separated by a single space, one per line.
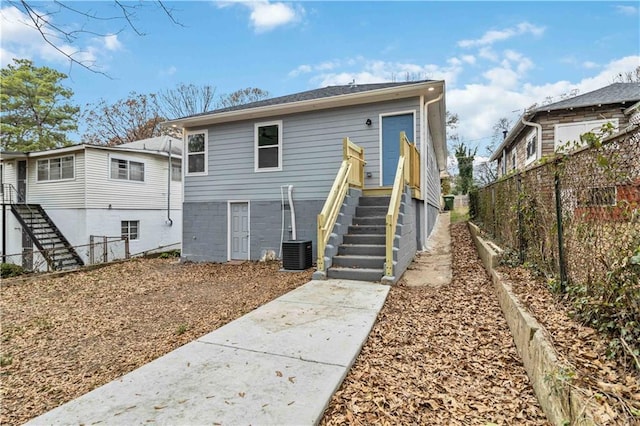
460 215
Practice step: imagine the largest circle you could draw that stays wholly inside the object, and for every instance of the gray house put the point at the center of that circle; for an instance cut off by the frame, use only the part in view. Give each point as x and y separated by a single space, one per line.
353 169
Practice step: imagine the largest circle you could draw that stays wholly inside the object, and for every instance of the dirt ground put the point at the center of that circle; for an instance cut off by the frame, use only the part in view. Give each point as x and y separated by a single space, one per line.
439 355
435 355
63 337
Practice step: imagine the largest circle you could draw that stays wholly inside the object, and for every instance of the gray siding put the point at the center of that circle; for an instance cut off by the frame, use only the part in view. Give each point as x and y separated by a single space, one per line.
311 156
432 186
406 238
205 228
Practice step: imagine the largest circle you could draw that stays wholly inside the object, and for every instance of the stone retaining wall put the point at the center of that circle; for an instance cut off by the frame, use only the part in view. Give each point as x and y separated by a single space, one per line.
560 402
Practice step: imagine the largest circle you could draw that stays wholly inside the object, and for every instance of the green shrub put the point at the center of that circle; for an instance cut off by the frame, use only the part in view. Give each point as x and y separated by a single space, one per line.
169 254
612 306
10 270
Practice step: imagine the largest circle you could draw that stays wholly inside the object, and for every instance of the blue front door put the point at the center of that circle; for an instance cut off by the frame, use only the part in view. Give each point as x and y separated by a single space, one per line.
391 127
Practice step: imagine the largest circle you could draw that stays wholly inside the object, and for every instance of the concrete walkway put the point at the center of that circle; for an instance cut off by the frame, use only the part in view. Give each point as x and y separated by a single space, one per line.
279 364
433 266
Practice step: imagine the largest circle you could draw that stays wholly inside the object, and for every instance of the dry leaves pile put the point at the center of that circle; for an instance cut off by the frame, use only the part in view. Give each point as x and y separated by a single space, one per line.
439 356
613 388
63 337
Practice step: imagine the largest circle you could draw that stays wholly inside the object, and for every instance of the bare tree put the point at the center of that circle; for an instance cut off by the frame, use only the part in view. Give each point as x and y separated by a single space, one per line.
42 17
628 76
242 96
186 99
137 117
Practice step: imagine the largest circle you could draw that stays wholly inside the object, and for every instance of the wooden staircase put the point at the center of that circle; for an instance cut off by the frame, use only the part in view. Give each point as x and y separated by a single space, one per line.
361 256
46 236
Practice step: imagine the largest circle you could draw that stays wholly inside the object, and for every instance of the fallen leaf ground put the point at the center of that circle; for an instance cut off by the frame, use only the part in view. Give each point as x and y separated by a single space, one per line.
612 387
63 337
439 356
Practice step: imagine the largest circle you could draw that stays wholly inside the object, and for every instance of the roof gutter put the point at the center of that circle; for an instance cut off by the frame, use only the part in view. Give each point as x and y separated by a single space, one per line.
387 93
538 134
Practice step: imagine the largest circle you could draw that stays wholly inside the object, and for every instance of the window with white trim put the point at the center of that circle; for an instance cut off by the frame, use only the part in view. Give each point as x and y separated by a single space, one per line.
176 170
197 153
268 146
567 135
127 170
532 147
513 159
61 168
130 229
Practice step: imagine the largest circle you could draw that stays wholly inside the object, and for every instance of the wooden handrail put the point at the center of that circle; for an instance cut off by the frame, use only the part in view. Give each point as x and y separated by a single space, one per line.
351 173
392 213
407 172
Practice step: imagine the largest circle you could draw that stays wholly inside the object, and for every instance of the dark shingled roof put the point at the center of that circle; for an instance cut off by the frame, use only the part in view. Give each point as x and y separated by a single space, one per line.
325 92
613 94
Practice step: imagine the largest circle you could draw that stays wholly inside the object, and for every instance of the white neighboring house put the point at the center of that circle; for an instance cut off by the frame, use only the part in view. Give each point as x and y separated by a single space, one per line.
132 190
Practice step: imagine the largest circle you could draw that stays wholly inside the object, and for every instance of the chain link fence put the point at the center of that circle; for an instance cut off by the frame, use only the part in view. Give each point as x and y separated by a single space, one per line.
576 220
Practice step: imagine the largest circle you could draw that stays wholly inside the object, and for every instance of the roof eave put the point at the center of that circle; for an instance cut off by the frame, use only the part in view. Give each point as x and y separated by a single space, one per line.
388 93
511 136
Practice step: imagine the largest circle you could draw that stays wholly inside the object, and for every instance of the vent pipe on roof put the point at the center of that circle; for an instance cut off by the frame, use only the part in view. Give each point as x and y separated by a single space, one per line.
504 134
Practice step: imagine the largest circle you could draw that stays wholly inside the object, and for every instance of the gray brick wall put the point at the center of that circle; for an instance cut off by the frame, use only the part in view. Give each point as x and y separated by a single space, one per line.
204 230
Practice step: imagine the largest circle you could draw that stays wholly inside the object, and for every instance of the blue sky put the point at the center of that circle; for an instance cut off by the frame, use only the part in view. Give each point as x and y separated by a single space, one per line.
496 57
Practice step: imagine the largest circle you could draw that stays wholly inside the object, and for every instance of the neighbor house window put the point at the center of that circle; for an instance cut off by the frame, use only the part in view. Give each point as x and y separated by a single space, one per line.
127 170
268 146
197 153
567 136
176 170
130 229
56 169
532 147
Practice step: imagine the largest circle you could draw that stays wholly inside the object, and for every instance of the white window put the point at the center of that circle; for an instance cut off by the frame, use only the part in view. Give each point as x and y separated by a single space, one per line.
567 136
532 147
60 168
197 153
176 170
268 146
513 159
127 170
130 229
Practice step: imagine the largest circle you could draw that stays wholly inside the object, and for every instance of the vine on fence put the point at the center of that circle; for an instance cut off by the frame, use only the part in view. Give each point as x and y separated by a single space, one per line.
597 191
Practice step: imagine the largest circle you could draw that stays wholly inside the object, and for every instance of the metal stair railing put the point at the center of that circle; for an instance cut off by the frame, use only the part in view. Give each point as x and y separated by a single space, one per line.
48 253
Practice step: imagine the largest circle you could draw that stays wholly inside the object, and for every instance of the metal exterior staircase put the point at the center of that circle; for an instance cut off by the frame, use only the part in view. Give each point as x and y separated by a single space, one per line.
361 256
46 236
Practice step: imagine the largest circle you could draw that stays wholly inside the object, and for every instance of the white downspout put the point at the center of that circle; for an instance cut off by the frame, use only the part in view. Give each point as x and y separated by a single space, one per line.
538 134
169 220
293 214
423 173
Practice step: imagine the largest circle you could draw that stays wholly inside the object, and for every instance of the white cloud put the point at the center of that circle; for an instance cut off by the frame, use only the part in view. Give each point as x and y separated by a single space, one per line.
266 16
469 59
21 40
627 10
493 36
479 106
301 69
111 42
363 70
590 65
